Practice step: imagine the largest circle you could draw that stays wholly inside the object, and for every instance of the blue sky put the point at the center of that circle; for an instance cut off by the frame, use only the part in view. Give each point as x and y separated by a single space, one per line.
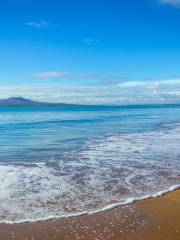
91 51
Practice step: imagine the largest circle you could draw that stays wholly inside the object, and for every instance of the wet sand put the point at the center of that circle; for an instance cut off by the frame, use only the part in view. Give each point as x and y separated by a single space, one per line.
153 219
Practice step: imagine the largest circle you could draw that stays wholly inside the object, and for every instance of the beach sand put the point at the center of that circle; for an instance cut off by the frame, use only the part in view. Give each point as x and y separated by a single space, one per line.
153 219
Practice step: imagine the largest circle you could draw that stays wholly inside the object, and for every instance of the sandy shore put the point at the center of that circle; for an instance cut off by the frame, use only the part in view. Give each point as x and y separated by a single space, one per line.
153 219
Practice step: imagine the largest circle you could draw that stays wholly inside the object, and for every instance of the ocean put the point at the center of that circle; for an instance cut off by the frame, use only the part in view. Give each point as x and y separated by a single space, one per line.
61 161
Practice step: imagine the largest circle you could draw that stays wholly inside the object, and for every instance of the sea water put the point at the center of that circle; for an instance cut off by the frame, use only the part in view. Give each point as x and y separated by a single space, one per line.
60 161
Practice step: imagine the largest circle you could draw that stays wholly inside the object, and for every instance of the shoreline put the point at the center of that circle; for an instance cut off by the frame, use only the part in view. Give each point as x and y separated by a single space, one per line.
155 218
109 207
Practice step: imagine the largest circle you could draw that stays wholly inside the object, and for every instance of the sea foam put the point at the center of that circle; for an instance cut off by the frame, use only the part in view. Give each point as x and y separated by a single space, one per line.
106 172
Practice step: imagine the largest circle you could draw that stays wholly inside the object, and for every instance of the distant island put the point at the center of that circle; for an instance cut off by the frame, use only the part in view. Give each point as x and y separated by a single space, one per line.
19 101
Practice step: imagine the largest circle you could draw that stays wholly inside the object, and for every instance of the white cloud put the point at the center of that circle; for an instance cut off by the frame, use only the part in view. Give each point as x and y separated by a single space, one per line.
52 74
41 24
175 3
129 92
77 76
89 41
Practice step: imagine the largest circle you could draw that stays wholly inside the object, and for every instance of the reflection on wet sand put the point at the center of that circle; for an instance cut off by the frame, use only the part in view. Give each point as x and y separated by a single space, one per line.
157 218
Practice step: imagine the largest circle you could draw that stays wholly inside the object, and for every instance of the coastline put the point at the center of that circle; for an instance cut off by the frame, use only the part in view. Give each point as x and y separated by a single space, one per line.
155 218
110 207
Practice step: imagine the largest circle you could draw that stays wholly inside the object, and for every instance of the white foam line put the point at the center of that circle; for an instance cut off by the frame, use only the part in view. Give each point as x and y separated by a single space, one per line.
107 208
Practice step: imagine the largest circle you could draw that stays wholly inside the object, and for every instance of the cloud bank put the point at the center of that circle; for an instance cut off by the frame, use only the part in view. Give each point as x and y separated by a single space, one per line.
128 92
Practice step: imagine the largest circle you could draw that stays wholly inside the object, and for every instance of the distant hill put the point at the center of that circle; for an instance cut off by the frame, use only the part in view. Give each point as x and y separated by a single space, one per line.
19 101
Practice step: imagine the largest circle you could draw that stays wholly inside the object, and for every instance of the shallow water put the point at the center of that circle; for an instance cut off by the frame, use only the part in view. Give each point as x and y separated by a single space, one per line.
60 161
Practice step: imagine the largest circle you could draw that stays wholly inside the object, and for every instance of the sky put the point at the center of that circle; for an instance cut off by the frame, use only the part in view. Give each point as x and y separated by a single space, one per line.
94 52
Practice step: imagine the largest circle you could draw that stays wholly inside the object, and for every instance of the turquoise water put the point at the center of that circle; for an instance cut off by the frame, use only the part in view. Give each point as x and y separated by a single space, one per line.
37 133
58 161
